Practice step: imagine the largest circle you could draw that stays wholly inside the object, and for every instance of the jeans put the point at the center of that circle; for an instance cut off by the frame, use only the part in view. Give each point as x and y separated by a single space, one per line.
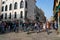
2 29
17 29
25 28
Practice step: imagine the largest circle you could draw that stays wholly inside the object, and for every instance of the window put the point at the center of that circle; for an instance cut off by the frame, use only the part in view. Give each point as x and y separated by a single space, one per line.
10 7
10 16
25 4
21 16
25 14
3 2
15 15
5 15
15 5
21 4
6 8
2 8
2 16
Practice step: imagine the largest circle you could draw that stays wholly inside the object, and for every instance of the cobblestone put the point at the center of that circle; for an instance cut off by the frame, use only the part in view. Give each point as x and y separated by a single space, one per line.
32 36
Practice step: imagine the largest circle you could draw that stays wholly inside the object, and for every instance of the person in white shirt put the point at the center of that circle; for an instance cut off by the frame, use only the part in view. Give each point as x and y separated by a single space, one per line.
44 26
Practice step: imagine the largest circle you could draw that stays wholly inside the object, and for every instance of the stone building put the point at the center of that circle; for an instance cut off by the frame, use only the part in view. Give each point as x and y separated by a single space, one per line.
39 14
56 12
20 9
16 9
56 9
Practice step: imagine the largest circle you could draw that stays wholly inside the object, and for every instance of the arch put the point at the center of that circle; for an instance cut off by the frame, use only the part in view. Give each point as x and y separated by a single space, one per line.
10 16
6 8
15 15
21 14
10 7
5 15
1 16
25 4
2 8
21 4
25 14
15 5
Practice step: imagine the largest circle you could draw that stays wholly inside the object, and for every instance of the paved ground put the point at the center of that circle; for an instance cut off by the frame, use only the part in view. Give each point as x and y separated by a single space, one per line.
32 36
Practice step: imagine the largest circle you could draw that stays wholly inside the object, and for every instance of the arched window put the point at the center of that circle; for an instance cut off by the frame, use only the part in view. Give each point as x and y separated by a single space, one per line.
5 15
10 7
6 8
10 16
15 5
25 4
15 15
25 14
1 16
21 4
3 2
2 8
21 14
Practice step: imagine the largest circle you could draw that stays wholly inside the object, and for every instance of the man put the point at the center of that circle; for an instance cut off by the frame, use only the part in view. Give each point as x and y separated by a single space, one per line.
47 27
56 26
16 26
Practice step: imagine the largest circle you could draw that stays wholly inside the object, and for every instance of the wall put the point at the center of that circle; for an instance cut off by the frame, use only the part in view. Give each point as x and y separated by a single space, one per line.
30 9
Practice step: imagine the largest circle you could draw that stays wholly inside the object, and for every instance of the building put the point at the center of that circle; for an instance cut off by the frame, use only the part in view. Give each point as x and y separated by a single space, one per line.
16 9
19 9
56 11
56 8
0 6
0 9
51 19
39 14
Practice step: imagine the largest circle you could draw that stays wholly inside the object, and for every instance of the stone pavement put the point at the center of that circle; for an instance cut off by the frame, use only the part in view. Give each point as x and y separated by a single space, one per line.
32 36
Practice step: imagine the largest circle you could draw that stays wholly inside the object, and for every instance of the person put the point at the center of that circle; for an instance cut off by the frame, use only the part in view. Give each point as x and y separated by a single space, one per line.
53 25
35 26
2 27
44 26
56 26
39 27
25 27
47 27
17 26
29 28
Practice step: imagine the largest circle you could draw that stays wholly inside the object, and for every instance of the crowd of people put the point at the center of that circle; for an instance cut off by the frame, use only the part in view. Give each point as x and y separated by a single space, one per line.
35 26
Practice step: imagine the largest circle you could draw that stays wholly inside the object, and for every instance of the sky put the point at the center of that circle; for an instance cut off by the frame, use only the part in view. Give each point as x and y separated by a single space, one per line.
46 6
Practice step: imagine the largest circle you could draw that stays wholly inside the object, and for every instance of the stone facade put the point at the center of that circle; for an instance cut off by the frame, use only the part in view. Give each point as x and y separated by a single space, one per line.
29 11
20 9
0 6
40 15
